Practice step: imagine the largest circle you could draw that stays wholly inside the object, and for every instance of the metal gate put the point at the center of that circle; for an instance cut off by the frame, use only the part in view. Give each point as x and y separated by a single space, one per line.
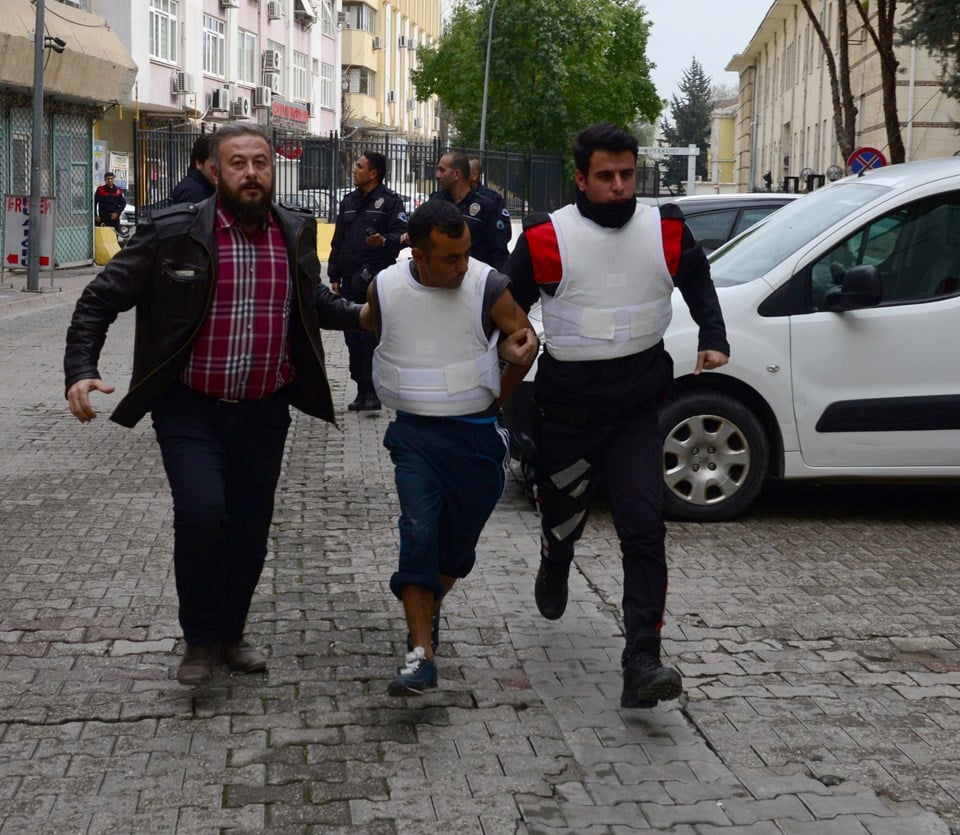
316 171
65 174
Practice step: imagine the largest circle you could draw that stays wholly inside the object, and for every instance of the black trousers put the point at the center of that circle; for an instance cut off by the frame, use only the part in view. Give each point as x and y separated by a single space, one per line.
361 345
629 453
222 461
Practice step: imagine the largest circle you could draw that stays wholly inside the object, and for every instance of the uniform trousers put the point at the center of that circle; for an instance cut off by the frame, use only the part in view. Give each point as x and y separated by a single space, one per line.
223 461
628 453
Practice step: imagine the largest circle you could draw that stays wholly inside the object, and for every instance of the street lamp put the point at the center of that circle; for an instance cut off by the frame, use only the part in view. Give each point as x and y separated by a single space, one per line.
486 85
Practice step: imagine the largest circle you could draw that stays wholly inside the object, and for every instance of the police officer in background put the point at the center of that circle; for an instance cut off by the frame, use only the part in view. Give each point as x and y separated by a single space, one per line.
367 238
476 170
109 202
489 228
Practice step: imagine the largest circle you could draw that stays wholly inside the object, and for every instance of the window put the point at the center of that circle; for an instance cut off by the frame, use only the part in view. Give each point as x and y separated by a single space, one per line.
163 30
247 57
301 78
327 91
360 80
359 16
915 248
213 45
327 26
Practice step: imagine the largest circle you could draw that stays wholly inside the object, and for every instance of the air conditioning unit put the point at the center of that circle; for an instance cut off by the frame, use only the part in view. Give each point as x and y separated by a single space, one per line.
418 122
402 41
391 97
262 97
271 60
240 108
182 83
411 104
342 19
229 4
272 80
378 43
411 43
220 99
273 10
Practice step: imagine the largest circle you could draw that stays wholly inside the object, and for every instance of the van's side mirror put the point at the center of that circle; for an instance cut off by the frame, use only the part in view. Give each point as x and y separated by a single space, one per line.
861 287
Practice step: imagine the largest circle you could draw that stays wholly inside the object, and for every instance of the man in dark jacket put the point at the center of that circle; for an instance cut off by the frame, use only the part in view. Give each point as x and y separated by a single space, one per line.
200 181
109 202
604 270
370 225
228 315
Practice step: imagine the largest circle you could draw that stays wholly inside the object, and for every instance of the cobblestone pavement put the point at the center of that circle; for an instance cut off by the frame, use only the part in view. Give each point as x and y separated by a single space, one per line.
817 638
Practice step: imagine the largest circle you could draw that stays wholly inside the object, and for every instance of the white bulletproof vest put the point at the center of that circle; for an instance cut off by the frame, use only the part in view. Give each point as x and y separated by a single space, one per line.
433 357
613 299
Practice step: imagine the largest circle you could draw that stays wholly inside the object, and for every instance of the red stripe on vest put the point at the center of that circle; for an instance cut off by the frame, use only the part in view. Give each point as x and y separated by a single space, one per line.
544 253
672 231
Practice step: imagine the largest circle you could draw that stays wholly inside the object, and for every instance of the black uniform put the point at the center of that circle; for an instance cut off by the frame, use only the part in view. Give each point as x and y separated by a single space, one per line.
489 226
353 263
601 415
108 200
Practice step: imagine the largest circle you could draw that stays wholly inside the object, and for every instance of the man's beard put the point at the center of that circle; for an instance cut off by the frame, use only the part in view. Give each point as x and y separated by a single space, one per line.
251 212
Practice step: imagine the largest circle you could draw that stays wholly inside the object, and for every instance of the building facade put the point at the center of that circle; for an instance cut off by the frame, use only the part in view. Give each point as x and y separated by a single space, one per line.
785 123
87 72
379 46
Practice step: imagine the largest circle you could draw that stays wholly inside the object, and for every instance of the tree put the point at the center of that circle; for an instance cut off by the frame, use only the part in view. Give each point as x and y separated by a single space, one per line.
882 37
935 25
691 124
556 66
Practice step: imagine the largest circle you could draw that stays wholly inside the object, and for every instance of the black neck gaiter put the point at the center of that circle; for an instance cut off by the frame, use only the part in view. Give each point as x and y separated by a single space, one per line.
609 215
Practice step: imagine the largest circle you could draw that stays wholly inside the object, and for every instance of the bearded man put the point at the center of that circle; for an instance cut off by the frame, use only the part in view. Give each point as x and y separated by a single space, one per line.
229 307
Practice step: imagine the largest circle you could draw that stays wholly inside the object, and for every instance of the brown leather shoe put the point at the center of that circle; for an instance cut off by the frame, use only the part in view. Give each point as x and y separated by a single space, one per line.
196 666
240 657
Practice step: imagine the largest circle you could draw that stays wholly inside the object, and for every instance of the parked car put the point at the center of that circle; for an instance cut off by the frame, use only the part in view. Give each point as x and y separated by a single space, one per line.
841 310
716 218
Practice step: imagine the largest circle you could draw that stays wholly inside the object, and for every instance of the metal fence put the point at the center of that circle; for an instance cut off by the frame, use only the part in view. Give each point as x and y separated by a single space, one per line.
315 172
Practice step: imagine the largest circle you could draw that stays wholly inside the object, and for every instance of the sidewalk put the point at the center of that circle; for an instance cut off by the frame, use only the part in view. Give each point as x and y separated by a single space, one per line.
524 735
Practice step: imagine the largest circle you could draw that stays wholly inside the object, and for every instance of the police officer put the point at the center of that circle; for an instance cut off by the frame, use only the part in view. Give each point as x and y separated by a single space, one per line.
367 238
109 202
495 197
489 226
604 270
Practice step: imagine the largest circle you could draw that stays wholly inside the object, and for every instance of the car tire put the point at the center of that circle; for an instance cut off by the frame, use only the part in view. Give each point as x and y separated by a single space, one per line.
716 456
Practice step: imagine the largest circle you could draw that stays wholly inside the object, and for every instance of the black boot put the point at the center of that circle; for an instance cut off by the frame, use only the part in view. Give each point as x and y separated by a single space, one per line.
358 402
550 588
646 681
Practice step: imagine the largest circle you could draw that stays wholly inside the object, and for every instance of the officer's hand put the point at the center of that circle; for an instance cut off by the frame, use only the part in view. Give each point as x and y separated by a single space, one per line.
376 239
334 285
404 240
79 398
708 360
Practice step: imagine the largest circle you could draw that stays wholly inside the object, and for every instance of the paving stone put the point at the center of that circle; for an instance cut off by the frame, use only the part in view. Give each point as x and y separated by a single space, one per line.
779 622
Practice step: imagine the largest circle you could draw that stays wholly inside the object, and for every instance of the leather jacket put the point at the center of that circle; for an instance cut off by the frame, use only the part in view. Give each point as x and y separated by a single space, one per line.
168 272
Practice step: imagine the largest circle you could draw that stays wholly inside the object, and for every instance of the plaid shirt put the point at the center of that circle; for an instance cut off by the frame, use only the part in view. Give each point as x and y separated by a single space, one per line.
242 351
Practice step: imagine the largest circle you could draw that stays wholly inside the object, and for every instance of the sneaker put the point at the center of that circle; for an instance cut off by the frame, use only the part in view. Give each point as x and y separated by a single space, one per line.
550 589
419 674
371 404
434 634
646 681
357 403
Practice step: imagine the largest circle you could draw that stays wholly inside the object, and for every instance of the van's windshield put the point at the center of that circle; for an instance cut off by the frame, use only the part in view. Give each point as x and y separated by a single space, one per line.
759 249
